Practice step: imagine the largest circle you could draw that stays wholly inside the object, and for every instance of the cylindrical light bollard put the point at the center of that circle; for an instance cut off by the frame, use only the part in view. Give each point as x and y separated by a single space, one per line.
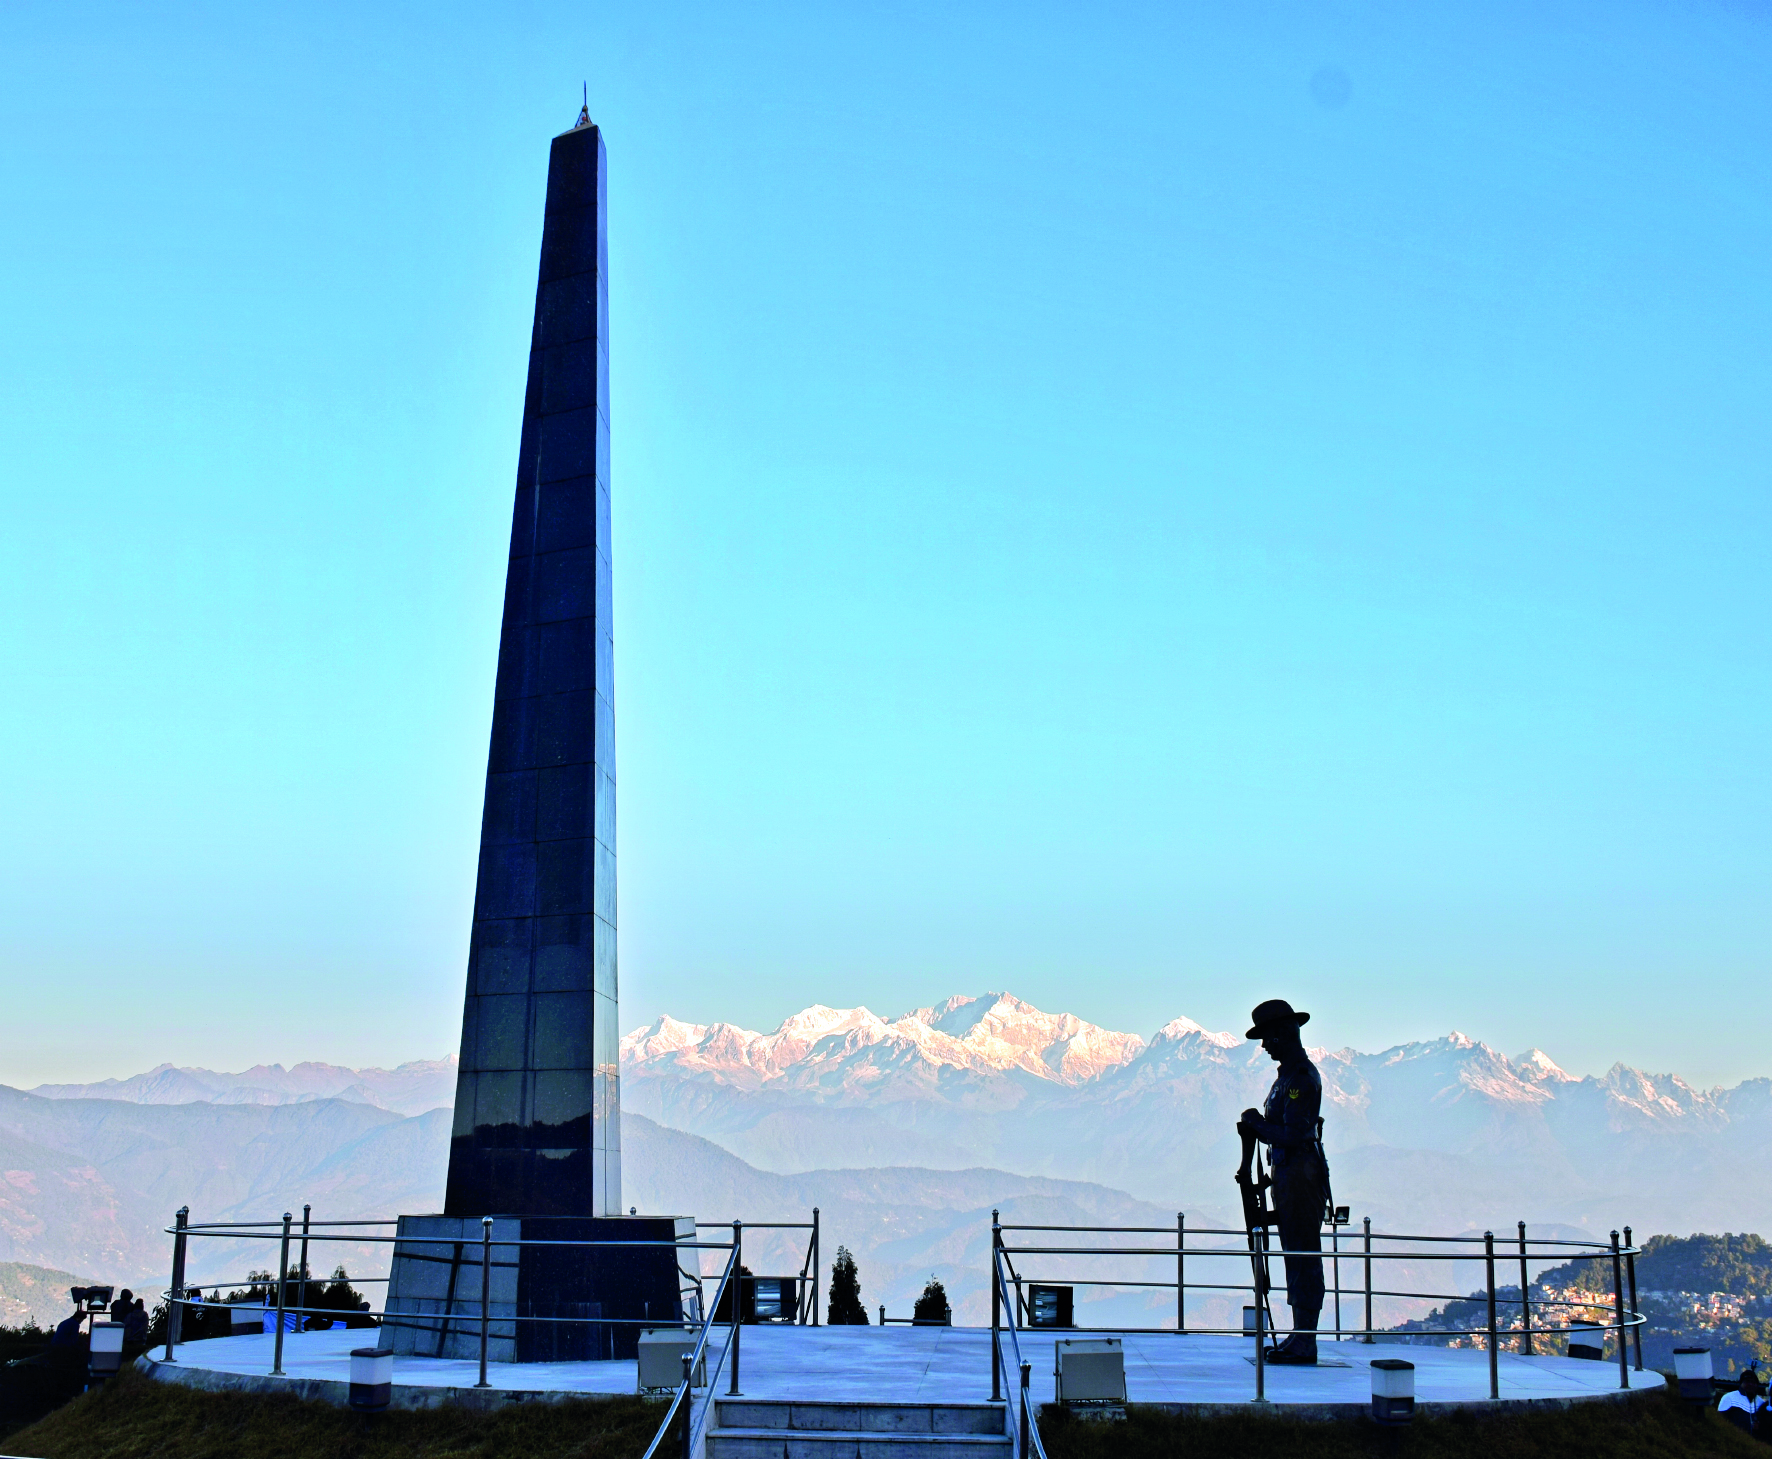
282 1287
1489 1281
1587 1339
1693 1371
104 1352
1393 1391
372 1379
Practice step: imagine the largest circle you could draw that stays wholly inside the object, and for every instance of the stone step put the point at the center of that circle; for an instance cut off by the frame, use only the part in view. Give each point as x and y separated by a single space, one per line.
803 1416
785 1443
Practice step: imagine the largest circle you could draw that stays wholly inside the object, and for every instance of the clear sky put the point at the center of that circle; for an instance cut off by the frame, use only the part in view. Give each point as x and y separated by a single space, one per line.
1151 507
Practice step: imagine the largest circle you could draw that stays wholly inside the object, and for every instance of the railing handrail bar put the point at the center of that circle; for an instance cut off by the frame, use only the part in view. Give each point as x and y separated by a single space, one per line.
1231 1252
775 1226
278 1225
429 1240
695 1357
271 1281
1013 1385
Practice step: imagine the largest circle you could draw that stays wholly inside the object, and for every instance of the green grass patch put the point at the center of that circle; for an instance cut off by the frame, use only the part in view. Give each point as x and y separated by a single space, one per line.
1653 1426
134 1417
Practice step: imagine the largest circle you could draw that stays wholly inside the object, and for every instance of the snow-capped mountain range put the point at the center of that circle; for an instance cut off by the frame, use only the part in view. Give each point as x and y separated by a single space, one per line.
1445 1134
995 1034
1443 1130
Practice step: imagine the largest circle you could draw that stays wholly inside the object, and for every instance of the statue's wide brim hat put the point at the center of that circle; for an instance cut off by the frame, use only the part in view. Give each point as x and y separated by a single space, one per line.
1270 1015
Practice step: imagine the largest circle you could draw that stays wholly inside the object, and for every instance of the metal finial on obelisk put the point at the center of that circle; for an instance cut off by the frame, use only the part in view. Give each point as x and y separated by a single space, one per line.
584 112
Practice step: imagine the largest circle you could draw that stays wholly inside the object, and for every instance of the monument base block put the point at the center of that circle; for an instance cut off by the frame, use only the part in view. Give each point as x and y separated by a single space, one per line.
546 1303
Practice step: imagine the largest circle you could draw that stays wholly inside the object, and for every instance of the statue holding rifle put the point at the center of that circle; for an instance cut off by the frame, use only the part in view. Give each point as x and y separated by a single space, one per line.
1291 1127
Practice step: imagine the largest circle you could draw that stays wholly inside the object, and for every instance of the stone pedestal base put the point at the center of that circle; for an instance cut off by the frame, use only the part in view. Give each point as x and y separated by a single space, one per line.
433 1304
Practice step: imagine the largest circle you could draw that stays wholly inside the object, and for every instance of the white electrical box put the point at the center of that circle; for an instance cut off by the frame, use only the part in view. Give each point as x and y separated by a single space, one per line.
1090 1370
662 1351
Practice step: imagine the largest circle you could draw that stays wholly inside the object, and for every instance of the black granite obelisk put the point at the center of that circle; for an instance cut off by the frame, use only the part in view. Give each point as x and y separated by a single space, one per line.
537 1103
537 1143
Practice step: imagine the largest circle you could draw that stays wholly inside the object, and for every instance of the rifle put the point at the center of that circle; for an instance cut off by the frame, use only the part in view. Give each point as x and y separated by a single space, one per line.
1253 1182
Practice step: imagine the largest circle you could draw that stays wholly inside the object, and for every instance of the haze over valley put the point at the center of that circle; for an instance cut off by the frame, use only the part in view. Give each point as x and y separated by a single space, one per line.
906 1132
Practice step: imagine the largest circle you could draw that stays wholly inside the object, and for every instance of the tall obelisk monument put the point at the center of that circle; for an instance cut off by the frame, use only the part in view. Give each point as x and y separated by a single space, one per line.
537 1102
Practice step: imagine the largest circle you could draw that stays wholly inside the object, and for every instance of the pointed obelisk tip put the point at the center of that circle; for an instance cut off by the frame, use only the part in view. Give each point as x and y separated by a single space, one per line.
584 112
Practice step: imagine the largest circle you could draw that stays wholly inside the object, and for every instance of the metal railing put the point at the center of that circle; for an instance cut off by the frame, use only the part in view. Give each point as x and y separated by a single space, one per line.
291 1286
1625 1321
1020 1417
696 1416
806 1280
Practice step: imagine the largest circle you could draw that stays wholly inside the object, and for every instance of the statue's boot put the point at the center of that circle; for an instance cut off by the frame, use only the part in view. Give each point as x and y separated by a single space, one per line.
1300 1348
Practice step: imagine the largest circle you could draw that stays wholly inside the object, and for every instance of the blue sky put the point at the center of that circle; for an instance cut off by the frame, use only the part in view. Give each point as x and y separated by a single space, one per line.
1151 507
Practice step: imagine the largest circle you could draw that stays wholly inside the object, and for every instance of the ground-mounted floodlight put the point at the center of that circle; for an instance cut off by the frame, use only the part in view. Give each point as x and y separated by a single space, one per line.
372 1379
1050 1306
1693 1370
1393 1391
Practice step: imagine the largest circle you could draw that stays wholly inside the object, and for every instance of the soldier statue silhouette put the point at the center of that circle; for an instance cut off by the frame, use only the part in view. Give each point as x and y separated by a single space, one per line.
1292 1128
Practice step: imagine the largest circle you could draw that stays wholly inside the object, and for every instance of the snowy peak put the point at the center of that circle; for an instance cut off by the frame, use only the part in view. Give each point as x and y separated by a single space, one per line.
1535 1066
837 1049
999 1031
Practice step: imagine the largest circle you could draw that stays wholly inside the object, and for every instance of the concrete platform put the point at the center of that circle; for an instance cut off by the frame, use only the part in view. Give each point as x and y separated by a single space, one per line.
943 1365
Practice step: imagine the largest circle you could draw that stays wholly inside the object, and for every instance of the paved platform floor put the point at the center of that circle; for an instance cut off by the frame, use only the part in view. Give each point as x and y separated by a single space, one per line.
919 1365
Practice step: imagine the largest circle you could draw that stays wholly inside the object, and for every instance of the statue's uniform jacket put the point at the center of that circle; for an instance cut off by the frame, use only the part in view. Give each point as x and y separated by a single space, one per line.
1301 1175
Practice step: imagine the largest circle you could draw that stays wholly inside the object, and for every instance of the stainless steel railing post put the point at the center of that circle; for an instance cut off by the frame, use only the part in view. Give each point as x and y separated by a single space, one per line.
1260 1351
1026 1403
737 1297
1618 1314
1335 1247
688 1407
301 1301
175 1298
485 1293
1636 1317
282 1284
1525 1298
1489 1282
996 1305
1368 1224
1181 1271
815 1266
